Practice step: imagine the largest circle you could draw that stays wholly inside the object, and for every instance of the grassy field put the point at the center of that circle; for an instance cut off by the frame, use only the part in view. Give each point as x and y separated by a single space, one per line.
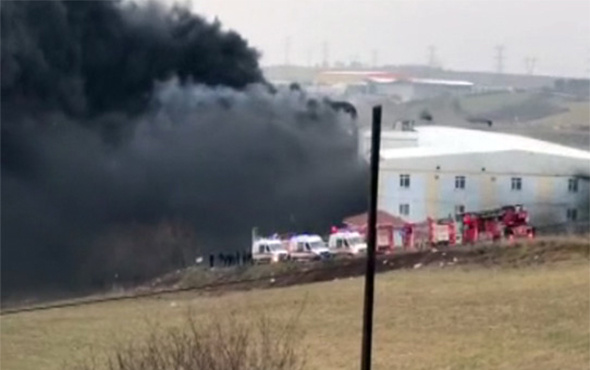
538 117
570 128
577 118
466 317
489 102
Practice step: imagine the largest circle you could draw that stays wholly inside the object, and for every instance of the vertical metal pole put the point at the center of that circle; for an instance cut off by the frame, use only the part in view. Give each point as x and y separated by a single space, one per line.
371 243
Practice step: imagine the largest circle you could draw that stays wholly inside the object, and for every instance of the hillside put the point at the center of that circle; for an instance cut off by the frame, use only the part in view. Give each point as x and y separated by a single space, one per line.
527 309
304 75
532 114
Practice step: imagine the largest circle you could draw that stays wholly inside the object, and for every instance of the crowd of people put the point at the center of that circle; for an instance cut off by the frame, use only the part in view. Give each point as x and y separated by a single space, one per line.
230 259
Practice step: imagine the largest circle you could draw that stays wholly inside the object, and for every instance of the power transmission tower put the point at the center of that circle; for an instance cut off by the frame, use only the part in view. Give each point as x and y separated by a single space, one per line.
287 50
432 56
354 60
375 58
529 65
499 59
325 55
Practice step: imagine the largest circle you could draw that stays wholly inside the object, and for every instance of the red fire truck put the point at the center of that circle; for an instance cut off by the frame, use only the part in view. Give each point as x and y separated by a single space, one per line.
493 225
387 226
430 233
385 241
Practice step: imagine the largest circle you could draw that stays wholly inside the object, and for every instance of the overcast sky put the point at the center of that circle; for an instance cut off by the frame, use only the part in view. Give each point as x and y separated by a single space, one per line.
464 32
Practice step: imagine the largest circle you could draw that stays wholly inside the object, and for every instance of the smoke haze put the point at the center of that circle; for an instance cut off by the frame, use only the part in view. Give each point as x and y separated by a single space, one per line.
117 116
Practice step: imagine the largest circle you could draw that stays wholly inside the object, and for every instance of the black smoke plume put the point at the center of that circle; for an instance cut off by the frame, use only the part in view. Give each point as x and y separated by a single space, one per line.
120 118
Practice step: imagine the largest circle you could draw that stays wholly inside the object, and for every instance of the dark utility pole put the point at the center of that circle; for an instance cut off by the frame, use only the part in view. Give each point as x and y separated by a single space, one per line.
371 242
500 59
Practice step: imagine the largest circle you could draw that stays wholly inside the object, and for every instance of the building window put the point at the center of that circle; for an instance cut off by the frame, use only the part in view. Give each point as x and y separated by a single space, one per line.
459 182
572 214
516 183
404 209
459 209
404 181
572 185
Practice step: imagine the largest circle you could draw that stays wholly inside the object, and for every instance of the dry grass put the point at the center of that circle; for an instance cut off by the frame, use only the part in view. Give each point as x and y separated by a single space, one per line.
479 104
223 343
533 317
576 118
198 276
569 128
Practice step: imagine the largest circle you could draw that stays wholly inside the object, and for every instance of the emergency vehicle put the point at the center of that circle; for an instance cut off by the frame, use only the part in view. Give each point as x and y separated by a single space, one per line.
269 250
305 247
507 222
346 242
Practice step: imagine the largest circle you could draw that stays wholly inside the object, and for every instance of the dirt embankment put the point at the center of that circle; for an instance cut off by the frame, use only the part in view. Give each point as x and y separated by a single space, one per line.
218 281
260 277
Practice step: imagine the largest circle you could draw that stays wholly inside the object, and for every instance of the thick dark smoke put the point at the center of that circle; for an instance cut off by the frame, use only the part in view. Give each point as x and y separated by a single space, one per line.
89 57
122 117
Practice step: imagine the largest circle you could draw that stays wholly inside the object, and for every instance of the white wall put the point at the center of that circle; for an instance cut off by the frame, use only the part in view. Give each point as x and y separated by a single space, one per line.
405 91
498 162
390 139
546 197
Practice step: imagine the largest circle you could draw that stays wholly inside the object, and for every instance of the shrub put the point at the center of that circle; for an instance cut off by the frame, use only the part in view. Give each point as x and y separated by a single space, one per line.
224 343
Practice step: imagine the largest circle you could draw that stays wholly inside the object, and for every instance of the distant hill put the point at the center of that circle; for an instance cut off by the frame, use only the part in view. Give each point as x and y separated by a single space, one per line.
550 109
306 75
479 78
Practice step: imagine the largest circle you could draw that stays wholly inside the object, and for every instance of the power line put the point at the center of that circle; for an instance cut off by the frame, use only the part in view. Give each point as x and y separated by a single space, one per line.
375 57
529 64
325 55
432 56
287 50
499 59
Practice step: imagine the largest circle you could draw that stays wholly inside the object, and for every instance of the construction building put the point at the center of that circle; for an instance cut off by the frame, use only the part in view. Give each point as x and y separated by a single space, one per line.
399 87
435 171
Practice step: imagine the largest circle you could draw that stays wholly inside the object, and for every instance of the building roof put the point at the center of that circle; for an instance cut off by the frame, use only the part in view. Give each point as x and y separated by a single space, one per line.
359 73
306 238
382 77
427 81
389 78
382 218
440 140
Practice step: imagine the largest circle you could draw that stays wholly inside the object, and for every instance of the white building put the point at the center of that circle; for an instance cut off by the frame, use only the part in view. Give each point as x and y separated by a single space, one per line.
439 171
386 84
419 88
